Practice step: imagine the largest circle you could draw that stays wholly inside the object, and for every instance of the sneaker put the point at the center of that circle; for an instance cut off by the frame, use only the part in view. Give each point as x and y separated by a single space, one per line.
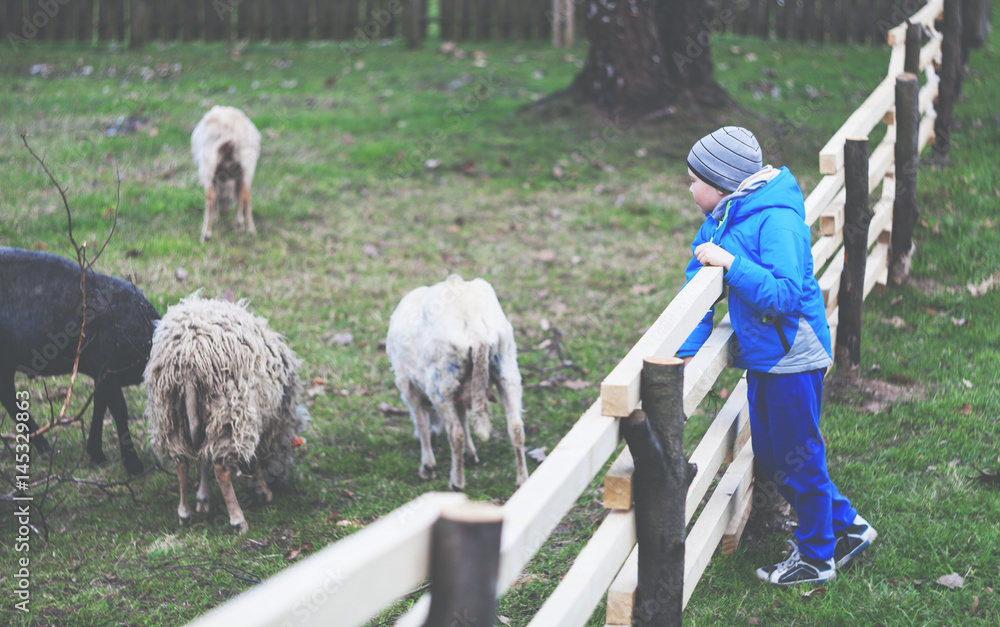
852 541
798 569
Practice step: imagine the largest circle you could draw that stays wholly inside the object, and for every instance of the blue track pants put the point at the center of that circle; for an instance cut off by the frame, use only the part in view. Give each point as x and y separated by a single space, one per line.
788 447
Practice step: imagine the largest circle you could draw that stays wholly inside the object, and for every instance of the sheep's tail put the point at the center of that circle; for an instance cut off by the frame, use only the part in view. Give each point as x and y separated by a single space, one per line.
191 405
480 389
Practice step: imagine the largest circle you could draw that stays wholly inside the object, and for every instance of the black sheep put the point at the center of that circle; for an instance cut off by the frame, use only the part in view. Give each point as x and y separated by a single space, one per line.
41 314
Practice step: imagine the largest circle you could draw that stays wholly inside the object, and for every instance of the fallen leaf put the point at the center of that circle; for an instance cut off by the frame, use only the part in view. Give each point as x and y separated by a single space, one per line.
537 454
547 342
967 383
975 605
965 409
369 250
503 620
347 139
576 384
348 493
985 286
342 339
334 515
642 289
812 593
292 554
951 581
391 410
544 256
557 172
314 391
40 246
273 134
959 322
181 274
753 620
347 523
895 321
558 308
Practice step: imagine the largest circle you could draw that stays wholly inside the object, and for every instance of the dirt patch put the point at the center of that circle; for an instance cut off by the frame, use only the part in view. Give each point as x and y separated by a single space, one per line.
871 395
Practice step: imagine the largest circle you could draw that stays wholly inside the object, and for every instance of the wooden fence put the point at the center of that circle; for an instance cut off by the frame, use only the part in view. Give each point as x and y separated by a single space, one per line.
352 580
140 21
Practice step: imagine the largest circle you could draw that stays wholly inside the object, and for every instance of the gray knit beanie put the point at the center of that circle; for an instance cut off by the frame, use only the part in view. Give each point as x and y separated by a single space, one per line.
726 157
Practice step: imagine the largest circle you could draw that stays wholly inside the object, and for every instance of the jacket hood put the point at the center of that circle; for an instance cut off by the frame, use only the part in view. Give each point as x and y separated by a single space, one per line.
768 189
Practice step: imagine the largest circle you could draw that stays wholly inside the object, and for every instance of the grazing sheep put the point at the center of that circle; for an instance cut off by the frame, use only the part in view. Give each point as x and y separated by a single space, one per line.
223 389
42 311
226 145
447 343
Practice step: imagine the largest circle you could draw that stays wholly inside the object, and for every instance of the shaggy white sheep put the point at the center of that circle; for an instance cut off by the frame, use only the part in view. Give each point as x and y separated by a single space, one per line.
447 343
223 389
226 145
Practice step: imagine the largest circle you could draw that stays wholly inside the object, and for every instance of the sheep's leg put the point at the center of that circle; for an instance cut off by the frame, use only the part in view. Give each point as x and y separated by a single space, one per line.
183 510
222 475
203 504
8 397
115 400
470 448
243 203
96 437
510 397
262 488
238 201
420 413
456 437
210 209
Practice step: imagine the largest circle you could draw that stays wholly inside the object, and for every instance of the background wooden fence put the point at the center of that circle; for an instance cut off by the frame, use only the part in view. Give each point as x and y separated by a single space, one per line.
352 580
140 21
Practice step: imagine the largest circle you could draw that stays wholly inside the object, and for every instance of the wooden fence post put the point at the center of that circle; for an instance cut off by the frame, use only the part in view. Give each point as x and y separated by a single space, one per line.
904 209
661 481
914 39
857 216
951 45
465 564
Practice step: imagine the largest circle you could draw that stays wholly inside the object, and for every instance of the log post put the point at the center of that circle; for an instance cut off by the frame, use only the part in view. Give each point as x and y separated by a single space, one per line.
857 216
465 563
904 209
951 53
914 39
661 481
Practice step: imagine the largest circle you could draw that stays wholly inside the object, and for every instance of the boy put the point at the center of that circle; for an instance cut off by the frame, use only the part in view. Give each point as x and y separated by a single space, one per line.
755 229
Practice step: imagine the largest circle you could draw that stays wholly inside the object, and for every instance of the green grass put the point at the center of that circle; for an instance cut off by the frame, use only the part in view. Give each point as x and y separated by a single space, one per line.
349 220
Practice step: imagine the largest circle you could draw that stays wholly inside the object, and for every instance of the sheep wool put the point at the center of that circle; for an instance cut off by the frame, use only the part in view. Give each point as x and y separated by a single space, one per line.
222 388
225 146
447 344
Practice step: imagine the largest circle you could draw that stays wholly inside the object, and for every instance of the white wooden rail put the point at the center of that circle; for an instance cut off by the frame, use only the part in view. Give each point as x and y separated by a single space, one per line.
352 580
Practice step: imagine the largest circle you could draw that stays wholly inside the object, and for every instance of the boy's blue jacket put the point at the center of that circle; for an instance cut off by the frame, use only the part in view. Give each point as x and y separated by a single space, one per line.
775 304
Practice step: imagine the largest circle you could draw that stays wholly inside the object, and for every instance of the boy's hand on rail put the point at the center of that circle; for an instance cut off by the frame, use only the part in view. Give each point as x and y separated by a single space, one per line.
710 254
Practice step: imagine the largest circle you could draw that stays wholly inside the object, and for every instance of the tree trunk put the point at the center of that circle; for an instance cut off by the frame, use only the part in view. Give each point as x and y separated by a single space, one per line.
625 72
686 28
644 53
